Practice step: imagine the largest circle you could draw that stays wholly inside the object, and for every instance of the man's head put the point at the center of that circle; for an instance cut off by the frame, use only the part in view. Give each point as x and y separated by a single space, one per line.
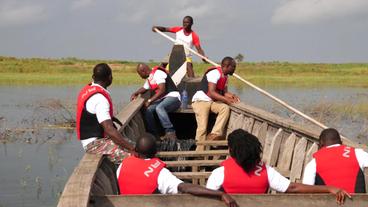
143 70
245 148
187 22
329 137
146 146
228 65
102 74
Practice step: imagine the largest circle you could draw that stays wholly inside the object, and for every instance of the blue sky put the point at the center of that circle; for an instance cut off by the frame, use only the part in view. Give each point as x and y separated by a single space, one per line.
262 30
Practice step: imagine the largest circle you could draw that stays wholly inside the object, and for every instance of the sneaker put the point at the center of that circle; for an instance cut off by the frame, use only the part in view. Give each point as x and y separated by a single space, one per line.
169 136
214 137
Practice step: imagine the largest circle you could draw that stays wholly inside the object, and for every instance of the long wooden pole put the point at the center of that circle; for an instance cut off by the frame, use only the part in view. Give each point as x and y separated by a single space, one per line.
283 103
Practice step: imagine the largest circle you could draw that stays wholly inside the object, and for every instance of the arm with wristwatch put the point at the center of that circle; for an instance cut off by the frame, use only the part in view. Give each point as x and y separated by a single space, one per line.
158 94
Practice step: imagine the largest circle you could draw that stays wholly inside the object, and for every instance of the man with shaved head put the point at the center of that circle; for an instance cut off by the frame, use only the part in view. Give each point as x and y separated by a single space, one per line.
336 164
95 127
213 96
145 174
166 98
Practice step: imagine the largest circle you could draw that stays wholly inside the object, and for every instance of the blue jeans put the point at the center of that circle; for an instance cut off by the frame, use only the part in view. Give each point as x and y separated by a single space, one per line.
161 108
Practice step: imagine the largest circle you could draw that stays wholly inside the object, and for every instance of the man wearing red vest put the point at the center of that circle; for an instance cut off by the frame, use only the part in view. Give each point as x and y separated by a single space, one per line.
145 174
166 99
185 36
214 97
337 164
94 118
244 172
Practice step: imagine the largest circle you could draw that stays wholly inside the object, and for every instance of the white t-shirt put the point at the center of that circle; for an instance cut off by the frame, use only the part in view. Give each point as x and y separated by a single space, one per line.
99 105
275 179
158 78
166 181
212 77
311 168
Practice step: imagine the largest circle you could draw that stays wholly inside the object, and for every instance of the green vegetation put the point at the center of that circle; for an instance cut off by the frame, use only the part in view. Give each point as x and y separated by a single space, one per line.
72 71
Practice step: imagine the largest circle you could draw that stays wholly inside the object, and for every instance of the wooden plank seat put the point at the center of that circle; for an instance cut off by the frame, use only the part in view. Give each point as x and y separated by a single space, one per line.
193 163
192 175
192 153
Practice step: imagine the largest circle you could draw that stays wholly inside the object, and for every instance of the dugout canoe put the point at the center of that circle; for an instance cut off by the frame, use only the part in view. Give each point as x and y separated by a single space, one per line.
288 146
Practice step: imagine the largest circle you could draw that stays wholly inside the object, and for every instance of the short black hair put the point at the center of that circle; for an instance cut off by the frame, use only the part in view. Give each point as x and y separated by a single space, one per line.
101 72
330 136
245 148
227 60
190 18
146 145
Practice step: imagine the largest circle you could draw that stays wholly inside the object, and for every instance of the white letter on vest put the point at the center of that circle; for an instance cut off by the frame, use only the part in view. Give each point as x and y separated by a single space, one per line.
346 152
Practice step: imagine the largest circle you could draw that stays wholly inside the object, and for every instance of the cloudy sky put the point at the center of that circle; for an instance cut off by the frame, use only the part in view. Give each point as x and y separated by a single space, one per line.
262 30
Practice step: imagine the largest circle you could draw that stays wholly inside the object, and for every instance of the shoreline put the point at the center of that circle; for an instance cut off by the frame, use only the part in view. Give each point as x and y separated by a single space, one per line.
72 71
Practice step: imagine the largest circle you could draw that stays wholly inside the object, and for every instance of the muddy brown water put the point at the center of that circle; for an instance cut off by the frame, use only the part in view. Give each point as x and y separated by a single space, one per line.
39 150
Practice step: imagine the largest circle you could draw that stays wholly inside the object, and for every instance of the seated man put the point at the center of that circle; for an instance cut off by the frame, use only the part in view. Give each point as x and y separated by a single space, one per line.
185 36
166 99
244 172
214 97
336 164
145 174
95 115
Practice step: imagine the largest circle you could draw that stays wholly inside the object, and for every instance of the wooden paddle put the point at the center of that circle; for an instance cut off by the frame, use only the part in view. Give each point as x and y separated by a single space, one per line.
283 103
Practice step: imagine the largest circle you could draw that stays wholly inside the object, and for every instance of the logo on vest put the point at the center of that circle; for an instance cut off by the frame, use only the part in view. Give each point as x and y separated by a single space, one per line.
346 152
258 170
151 168
88 91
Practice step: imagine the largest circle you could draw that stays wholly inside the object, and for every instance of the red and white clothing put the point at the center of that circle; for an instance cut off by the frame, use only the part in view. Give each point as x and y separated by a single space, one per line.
99 105
157 78
145 176
188 39
233 179
214 77
342 171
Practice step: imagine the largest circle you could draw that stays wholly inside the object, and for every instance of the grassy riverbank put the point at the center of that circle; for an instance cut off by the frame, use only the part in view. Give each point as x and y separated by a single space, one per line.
72 71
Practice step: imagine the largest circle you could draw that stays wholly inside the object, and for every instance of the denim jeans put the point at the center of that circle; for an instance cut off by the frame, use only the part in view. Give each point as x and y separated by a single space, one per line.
161 108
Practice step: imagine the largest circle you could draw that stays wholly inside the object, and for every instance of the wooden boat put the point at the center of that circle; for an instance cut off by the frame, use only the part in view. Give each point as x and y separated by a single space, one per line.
287 146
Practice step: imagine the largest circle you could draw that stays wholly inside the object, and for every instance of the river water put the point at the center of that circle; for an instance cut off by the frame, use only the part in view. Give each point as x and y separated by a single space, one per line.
39 150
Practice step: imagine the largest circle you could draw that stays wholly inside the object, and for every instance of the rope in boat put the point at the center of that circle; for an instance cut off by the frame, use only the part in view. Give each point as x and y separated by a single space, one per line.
283 103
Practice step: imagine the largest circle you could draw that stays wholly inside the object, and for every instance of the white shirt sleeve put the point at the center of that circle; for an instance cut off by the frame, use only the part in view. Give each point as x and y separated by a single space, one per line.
362 158
276 180
160 77
146 85
167 182
216 179
310 171
213 76
99 105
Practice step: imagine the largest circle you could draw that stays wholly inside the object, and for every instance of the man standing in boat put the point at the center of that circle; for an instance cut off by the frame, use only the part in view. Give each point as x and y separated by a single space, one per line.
95 127
345 171
145 174
213 96
244 172
166 99
185 36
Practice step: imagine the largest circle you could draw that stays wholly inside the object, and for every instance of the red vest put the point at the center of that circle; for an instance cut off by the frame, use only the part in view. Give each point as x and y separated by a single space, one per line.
153 85
220 85
139 176
236 180
83 114
337 166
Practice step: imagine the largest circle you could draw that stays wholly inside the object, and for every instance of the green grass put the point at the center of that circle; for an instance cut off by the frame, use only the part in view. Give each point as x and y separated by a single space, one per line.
72 71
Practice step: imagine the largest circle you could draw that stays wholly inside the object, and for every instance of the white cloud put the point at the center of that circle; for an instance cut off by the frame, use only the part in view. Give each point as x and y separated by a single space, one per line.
167 10
80 4
13 14
310 11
